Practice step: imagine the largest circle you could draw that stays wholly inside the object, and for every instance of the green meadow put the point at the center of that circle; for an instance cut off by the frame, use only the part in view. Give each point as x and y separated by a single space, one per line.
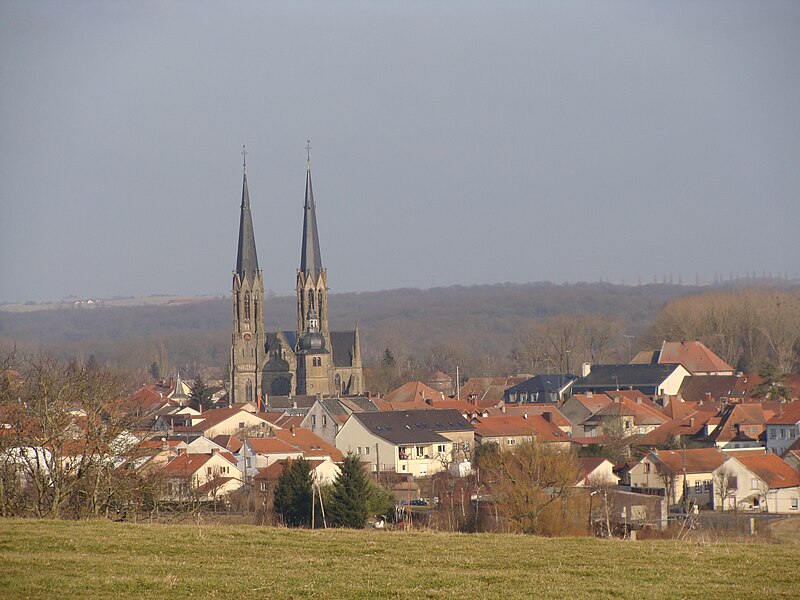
101 559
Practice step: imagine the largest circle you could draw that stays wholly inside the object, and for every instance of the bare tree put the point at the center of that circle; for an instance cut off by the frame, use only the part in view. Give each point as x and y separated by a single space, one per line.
725 485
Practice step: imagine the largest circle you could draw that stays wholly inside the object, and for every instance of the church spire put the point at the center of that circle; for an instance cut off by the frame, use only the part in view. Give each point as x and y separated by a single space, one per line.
246 259
311 258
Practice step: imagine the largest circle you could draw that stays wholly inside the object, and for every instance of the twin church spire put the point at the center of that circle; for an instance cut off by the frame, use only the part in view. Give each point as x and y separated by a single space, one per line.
311 257
246 258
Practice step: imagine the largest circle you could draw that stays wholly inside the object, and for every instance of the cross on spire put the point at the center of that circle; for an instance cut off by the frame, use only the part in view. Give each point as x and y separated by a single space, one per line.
308 150
244 157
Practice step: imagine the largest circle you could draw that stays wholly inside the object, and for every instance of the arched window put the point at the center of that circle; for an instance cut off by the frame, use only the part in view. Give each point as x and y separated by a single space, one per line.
255 306
319 304
247 306
310 299
248 391
337 381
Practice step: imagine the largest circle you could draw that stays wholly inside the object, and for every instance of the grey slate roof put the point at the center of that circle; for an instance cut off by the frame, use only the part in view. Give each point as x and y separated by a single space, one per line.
413 426
342 345
645 378
540 388
311 257
246 258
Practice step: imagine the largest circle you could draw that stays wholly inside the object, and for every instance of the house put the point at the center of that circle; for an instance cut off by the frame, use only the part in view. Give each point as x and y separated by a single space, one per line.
508 431
597 472
683 475
792 455
549 412
579 407
540 389
630 417
486 392
323 470
220 421
201 477
413 391
694 356
418 442
783 429
327 415
260 453
653 380
676 431
442 382
740 426
761 482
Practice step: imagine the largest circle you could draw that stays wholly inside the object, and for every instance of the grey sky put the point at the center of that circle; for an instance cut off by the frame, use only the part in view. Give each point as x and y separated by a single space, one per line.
466 142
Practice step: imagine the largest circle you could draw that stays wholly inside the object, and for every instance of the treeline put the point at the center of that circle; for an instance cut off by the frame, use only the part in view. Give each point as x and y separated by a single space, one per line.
490 329
751 329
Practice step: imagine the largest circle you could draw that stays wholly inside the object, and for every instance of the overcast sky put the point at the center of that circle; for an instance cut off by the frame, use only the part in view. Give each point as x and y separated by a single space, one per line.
453 142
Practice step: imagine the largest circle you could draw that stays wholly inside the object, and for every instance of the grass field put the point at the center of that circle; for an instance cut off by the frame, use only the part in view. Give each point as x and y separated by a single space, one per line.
100 559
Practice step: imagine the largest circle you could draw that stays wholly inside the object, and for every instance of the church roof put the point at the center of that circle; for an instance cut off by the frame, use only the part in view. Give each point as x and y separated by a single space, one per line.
342 345
310 258
246 258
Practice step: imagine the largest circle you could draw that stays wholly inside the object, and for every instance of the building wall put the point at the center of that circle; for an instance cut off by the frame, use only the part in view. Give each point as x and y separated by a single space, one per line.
780 437
749 487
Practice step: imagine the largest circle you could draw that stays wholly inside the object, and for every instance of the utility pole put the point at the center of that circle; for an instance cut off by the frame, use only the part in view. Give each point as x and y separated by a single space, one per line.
377 464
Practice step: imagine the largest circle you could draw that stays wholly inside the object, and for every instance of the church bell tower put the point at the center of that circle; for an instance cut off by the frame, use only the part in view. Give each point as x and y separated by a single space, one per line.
247 344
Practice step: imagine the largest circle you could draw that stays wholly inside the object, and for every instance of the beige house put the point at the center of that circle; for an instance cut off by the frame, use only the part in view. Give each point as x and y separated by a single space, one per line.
597 472
221 421
761 482
418 442
679 473
201 476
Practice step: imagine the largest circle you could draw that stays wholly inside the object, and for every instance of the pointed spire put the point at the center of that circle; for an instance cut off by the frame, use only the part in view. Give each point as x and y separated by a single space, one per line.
246 258
310 258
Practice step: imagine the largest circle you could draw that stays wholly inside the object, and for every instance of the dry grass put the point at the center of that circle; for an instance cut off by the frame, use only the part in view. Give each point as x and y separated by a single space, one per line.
99 559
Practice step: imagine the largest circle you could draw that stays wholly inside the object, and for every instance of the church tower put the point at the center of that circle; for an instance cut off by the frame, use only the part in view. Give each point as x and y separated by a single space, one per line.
247 344
312 280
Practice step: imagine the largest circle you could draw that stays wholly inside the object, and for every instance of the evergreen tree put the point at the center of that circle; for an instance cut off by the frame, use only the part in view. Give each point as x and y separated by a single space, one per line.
350 495
200 393
772 387
292 500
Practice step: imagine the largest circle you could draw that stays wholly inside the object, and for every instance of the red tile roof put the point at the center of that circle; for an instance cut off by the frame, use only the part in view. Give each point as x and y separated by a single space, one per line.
271 445
518 425
772 470
695 356
309 442
696 460
789 414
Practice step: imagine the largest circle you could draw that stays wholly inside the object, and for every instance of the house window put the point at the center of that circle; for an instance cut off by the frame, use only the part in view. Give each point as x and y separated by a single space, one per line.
441 448
263 486
698 486
358 450
783 433
208 470
313 421
420 451
366 449
511 441
792 433
403 454
647 467
795 503
707 485
754 484
324 420
241 424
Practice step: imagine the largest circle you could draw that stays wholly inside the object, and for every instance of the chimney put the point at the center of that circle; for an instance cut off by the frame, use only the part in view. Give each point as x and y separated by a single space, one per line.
691 421
214 451
291 429
638 399
708 396
503 408
589 394
547 416
429 401
586 368
525 416
164 444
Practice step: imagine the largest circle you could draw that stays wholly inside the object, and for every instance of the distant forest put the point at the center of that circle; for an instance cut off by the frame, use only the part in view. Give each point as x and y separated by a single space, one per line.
480 328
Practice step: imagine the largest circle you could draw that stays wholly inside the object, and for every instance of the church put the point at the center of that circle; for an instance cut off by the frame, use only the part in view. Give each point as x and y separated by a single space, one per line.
312 360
